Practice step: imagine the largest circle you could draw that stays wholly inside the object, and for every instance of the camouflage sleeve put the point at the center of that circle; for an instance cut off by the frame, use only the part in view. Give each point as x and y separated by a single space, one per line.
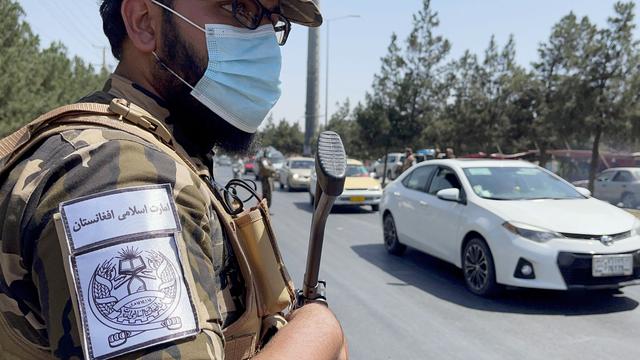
84 162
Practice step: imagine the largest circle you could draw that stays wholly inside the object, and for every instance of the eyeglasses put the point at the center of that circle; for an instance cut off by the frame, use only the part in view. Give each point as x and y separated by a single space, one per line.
249 13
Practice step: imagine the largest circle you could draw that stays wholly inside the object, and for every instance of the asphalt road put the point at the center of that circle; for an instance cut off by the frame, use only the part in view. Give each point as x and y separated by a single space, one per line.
416 306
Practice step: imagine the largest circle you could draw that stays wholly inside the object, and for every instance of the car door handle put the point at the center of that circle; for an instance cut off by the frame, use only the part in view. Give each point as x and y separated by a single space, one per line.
423 203
396 193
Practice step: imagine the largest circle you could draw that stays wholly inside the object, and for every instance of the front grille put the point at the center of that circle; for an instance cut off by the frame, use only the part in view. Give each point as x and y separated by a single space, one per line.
576 270
616 237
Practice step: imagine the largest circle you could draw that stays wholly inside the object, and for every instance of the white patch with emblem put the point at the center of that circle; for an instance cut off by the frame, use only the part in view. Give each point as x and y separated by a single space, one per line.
127 270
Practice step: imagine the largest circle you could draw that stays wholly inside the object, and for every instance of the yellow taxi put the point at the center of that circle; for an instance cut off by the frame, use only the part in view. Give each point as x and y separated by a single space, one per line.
359 187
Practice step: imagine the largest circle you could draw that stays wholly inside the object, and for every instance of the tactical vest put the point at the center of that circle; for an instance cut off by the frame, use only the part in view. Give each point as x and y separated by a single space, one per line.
269 289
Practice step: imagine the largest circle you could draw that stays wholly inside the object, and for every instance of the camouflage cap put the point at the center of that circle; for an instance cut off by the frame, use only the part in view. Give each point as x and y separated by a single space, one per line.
303 12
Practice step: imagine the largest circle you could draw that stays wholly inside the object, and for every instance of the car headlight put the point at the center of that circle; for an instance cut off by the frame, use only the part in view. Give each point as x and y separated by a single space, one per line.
531 232
295 176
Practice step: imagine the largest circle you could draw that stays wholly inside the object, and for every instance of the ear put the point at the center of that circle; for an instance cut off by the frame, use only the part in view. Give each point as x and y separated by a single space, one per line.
141 23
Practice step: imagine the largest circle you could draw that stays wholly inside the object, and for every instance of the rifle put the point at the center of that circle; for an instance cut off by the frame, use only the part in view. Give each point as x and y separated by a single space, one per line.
331 167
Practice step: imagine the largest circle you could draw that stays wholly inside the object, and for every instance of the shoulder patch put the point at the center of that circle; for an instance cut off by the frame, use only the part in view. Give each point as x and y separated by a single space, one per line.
126 270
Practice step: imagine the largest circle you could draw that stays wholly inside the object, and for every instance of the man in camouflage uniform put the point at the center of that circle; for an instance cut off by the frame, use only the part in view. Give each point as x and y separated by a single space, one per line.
35 301
266 173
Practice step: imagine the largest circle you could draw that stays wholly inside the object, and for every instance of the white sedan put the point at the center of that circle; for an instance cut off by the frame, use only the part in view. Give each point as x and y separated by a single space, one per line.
511 223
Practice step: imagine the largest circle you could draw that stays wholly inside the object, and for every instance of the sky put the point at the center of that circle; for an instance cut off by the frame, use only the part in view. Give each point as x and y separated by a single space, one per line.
356 43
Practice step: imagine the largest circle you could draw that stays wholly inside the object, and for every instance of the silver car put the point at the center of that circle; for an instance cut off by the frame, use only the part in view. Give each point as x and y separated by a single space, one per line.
295 173
619 186
394 162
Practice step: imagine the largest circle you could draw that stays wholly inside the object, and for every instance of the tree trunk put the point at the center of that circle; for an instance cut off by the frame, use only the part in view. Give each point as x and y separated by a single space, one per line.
384 168
595 156
543 157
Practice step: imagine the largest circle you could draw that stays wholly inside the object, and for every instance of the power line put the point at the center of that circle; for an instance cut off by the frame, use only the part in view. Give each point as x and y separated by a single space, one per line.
74 14
71 28
75 32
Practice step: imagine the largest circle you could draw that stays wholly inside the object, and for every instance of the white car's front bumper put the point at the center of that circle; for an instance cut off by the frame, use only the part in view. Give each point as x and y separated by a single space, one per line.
298 182
359 197
560 264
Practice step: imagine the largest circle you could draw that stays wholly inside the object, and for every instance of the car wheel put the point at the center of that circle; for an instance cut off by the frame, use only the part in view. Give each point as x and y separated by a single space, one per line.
629 201
375 207
479 269
311 199
281 185
391 242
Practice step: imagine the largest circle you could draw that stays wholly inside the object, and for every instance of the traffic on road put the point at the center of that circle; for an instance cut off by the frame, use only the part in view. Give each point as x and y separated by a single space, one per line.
422 303
470 189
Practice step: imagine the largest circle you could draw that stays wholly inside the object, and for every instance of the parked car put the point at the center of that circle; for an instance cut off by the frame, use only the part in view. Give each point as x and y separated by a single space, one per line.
373 166
295 173
249 166
359 187
394 162
619 186
224 160
424 155
507 222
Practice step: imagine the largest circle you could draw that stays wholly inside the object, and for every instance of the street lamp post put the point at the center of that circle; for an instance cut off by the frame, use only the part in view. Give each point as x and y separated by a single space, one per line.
326 86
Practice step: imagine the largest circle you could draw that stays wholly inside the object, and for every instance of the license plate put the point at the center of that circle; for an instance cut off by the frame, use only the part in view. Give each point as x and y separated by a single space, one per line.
357 198
612 265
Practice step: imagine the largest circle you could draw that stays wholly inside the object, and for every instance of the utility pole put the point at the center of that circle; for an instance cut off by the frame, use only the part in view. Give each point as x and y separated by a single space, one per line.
104 56
313 86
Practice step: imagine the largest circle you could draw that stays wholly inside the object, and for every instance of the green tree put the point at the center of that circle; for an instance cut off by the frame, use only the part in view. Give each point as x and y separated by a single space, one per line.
423 92
498 72
34 81
373 118
482 98
343 123
602 71
554 111
456 125
408 91
283 136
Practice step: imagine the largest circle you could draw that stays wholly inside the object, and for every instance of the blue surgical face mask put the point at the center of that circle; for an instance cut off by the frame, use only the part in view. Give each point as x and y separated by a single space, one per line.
242 80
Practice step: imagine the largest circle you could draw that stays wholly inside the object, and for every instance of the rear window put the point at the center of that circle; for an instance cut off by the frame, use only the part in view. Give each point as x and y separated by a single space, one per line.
418 178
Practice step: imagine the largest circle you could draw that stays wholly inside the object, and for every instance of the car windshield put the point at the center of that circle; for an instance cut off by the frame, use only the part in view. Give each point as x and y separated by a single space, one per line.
276 158
356 171
302 164
518 183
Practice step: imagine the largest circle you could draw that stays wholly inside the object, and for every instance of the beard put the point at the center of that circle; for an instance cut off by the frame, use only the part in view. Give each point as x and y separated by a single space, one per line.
195 127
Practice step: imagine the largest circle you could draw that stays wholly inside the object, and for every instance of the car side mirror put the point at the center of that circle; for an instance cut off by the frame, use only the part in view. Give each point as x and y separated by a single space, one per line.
449 194
584 191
